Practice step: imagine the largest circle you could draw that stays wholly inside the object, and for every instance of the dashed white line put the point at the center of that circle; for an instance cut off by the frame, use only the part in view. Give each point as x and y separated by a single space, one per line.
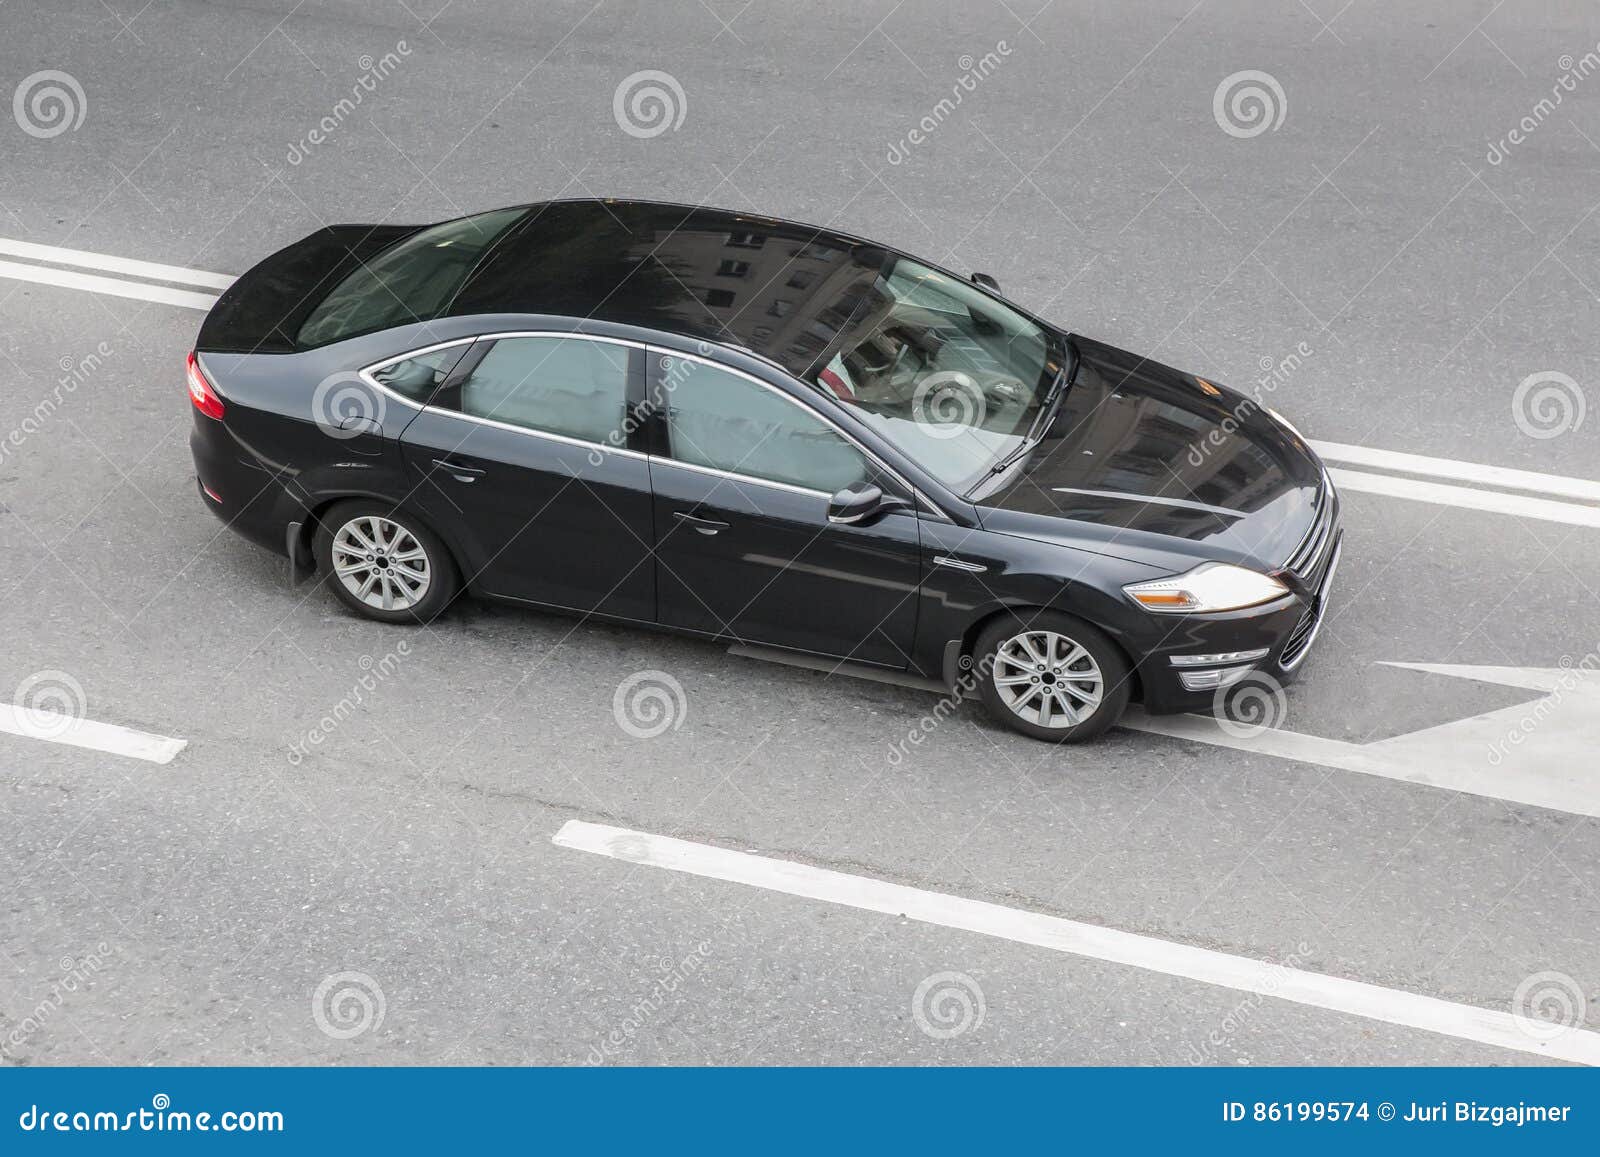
152 270
107 737
1240 973
1554 485
94 283
1467 498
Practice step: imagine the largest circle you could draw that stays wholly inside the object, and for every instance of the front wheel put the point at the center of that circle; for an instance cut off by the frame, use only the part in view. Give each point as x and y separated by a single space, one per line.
384 564
1051 676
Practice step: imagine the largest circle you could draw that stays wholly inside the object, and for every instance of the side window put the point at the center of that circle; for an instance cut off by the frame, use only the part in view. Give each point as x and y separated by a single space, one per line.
726 422
557 385
417 377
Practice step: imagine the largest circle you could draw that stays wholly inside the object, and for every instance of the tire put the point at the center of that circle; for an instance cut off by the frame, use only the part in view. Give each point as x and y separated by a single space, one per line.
421 579
1014 646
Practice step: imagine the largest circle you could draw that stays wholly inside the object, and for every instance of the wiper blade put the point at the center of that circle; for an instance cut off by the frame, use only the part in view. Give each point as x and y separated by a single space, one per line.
1010 459
1035 435
1051 398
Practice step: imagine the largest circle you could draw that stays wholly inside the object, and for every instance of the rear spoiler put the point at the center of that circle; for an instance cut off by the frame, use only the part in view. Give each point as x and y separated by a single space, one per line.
264 310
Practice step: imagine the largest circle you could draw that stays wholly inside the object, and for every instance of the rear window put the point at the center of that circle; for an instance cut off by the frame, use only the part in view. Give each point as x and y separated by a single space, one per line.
413 281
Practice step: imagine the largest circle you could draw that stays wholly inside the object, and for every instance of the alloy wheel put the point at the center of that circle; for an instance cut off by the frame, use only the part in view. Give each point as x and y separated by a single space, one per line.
1047 679
381 563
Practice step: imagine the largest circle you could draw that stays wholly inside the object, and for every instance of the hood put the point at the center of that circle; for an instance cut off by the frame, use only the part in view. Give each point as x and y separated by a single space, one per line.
1146 455
263 310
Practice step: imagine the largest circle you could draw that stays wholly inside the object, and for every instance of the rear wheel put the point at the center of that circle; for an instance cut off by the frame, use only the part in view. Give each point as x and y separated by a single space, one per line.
383 563
1051 676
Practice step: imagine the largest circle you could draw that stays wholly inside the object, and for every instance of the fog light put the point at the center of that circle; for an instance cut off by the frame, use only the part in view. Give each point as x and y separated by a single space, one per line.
1219 658
1211 680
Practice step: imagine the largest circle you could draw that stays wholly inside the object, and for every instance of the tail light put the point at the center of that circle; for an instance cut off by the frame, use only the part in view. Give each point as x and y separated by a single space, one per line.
200 392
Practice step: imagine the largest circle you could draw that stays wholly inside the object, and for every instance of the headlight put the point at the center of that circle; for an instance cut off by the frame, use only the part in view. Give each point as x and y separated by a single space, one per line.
1211 586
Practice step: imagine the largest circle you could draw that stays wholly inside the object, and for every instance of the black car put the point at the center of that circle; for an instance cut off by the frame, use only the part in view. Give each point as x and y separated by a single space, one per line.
752 429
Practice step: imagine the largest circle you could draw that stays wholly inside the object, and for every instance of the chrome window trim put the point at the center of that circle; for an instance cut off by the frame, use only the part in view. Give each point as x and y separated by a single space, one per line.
365 374
737 477
607 447
917 495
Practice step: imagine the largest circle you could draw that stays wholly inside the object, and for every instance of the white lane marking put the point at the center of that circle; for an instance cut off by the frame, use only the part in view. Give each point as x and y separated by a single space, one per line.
1240 973
1538 753
107 737
152 270
94 283
1496 754
1555 485
1494 501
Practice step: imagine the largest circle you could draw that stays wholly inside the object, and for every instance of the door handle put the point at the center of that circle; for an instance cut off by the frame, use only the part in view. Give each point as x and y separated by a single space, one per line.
457 471
702 525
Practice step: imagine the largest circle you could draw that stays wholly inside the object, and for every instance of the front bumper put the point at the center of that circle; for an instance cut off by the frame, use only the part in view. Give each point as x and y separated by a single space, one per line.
1275 643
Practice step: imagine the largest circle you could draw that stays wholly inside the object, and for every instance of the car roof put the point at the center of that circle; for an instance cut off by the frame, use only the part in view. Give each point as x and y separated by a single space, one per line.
781 289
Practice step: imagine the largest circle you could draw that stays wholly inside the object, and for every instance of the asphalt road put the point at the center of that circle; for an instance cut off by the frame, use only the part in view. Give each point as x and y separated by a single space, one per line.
352 858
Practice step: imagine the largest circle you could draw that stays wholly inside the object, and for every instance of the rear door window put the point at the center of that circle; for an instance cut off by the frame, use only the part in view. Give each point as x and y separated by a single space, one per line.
556 385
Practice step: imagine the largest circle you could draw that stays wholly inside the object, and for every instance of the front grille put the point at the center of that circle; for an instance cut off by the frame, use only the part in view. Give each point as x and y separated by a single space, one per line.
1305 631
1300 637
1313 549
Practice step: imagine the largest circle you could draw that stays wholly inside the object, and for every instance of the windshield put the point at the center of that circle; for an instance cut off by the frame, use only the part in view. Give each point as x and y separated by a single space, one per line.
411 281
952 376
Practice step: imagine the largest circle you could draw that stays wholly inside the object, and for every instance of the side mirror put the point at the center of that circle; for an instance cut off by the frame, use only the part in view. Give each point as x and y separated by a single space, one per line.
860 502
985 280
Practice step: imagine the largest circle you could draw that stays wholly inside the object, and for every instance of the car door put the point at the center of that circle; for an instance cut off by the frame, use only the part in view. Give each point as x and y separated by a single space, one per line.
742 476
521 457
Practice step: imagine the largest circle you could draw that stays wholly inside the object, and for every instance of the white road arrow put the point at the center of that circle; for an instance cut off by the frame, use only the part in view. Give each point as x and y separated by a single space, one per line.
1545 752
